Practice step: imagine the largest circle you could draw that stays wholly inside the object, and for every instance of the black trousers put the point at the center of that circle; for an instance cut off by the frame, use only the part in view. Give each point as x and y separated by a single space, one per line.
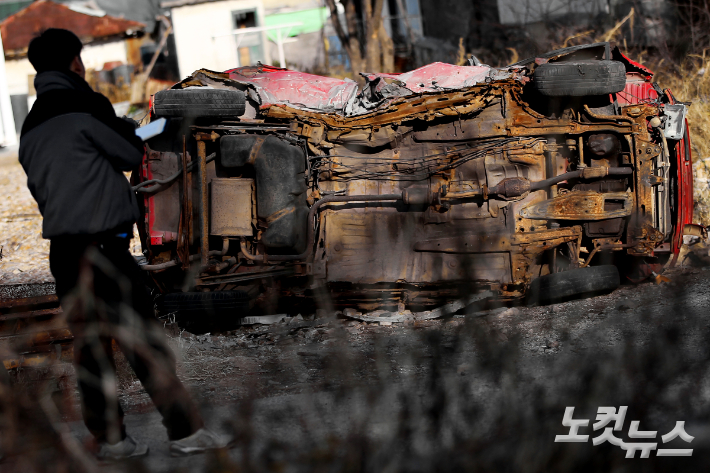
100 290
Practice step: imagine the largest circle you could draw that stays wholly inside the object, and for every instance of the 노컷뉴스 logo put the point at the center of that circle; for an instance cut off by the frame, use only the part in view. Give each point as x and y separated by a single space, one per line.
607 414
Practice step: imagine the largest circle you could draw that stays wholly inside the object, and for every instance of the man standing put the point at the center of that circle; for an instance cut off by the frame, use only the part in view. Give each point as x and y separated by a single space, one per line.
74 150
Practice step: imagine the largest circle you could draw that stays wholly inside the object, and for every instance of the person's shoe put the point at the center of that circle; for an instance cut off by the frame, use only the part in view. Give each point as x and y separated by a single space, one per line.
199 442
126 448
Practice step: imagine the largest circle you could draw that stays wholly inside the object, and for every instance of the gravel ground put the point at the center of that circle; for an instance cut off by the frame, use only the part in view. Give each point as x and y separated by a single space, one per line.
25 254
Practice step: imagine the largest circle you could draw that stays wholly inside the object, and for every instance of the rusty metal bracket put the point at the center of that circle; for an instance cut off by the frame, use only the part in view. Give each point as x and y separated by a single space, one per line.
185 227
694 229
204 222
601 244
566 233
643 240
580 205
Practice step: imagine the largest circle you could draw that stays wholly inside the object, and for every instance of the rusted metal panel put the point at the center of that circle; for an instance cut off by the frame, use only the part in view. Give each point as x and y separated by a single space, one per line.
476 243
538 238
367 247
581 205
231 207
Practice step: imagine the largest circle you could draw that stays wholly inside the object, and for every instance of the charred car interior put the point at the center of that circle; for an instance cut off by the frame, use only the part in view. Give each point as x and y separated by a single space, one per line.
542 180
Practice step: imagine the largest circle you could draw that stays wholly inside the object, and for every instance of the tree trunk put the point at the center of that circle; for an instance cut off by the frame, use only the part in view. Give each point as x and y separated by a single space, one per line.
354 51
378 52
387 47
373 59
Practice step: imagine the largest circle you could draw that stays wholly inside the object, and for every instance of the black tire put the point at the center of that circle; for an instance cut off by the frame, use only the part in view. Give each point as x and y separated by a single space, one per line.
572 284
199 102
212 305
579 79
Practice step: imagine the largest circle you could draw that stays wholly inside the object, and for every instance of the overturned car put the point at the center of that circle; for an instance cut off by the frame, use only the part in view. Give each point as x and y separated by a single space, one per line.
535 180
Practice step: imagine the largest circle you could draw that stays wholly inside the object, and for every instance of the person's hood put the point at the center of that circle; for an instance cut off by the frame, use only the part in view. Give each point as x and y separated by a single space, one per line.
56 80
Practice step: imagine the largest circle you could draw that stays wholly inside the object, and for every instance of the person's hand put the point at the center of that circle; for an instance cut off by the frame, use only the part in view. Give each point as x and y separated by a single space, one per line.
134 123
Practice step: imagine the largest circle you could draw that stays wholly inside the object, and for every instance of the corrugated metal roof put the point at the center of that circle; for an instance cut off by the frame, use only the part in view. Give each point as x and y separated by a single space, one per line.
19 29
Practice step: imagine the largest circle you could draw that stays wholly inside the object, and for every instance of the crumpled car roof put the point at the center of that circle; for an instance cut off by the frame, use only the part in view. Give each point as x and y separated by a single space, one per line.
268 86
272 86
438 76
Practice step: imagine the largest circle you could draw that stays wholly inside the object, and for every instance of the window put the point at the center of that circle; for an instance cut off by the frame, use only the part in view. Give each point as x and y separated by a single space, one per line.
250 48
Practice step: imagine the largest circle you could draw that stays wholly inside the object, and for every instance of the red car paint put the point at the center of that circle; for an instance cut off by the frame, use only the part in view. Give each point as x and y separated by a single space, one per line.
156 237
276 86
640 89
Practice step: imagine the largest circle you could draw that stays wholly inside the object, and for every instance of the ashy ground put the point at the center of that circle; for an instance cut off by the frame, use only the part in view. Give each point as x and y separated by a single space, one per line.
471 392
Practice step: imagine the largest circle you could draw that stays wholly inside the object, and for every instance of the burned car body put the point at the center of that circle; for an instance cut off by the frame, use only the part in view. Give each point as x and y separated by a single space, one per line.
418 183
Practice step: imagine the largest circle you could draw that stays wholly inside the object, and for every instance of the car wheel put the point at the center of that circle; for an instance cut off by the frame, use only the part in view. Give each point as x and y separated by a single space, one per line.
199 102
578 79
573 283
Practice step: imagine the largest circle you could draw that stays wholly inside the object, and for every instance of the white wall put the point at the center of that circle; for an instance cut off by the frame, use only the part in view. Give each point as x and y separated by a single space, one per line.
94 57
18 73
202 35
273 6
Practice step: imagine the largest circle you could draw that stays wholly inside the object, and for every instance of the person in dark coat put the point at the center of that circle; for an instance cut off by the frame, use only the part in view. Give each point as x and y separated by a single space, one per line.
74 151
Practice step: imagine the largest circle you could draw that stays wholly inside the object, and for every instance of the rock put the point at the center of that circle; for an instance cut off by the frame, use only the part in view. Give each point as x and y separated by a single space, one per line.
626 305
510 312
264 319
351 312
298 318
206 338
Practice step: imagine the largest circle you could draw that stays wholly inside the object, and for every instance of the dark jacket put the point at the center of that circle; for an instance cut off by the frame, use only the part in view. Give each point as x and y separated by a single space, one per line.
74 151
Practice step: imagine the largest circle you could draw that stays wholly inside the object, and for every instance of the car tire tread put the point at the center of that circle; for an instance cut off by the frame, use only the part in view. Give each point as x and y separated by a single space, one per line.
573 283
578 79
199 103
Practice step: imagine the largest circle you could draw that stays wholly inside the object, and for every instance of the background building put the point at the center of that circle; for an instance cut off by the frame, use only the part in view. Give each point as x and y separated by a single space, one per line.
204 34
108 41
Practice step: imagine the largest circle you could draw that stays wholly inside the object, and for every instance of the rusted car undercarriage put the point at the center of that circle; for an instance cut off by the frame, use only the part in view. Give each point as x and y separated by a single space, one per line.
420 185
